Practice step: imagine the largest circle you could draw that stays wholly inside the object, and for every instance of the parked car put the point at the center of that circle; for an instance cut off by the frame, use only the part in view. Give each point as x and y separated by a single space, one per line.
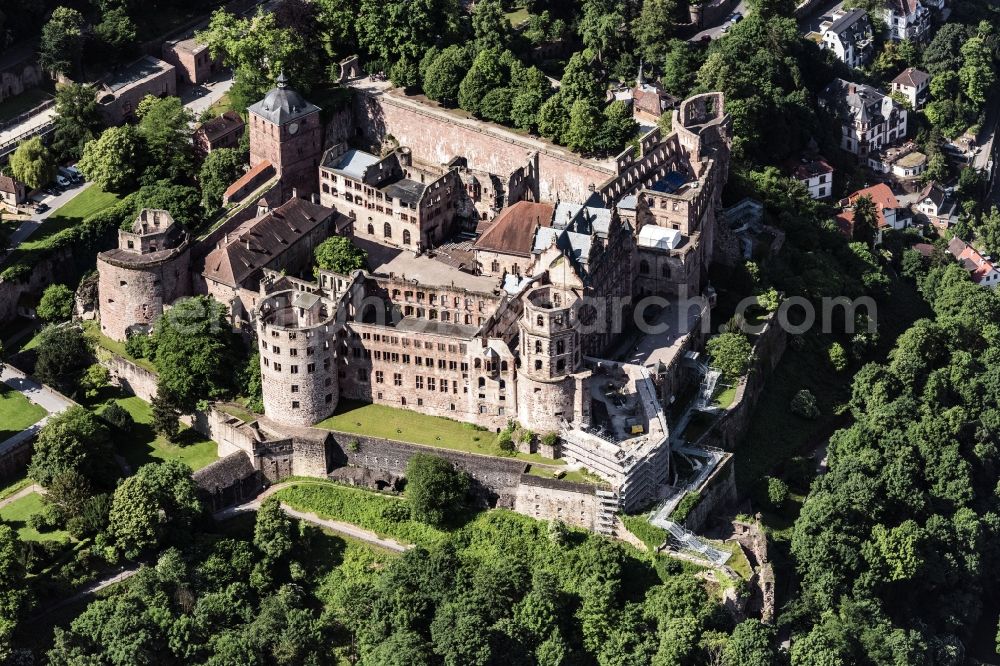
66 173
63 181
41 207
77 175
735 17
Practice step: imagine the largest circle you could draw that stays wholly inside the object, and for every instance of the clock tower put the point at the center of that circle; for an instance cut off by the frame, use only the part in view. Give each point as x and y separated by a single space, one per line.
286 131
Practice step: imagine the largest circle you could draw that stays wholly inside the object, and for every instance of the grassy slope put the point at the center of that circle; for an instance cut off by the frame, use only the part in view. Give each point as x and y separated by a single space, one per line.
406 426
143 445
16 412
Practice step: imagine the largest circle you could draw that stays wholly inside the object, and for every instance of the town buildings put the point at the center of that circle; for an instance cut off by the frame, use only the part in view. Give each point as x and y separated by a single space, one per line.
982 269
869 119
815 173
937 206
914 85
888 212
195 65
849 36
13 192
907 19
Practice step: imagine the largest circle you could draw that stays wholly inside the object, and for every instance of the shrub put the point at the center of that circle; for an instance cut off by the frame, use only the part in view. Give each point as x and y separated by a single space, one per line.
838 357
139 345
118 417
685 507
730 353
550 438
804 404
777 492
505 441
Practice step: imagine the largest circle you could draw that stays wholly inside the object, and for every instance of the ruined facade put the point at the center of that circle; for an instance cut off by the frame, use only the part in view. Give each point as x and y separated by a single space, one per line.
148 270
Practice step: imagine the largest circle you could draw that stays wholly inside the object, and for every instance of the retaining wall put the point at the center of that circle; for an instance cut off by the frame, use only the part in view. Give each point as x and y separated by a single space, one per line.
552 499
131 377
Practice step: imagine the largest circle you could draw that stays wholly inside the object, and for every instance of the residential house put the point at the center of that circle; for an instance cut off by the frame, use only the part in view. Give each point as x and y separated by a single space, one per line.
907 19
870 120
937 206
982 269
223 131
13 192
849 36
815 173
901 163
913 84
888 211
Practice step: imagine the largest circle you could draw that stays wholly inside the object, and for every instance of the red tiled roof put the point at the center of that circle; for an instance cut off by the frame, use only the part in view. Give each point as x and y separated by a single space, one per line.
911 77
228 122
7 184
513 230
977 265
881 196
248 177
805 169
257 242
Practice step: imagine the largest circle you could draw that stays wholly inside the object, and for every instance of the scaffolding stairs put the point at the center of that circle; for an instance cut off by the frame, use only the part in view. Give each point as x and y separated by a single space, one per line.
684 539
607 512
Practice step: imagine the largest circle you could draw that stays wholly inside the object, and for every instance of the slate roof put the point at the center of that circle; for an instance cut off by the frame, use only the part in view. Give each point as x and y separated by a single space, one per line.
848 21
282 104
225 472
353 163
911 77
257 242
513 230
582 219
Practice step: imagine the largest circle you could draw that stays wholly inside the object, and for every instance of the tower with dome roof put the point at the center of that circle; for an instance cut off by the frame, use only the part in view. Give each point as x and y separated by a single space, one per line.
286 131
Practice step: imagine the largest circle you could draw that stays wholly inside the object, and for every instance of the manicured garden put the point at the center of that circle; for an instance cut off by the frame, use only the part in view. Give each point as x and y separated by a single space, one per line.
16 412
407 426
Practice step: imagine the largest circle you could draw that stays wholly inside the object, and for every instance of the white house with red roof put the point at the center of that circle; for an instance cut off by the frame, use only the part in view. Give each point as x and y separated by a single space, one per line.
982 269
888 211
815 173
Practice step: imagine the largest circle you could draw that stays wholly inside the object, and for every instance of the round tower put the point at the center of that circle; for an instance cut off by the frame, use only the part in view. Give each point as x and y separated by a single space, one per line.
295 331
550 354
149 269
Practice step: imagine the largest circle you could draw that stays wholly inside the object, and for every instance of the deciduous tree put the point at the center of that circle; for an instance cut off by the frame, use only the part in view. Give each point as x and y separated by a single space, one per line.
72 441
62 41
32 163
114 161
56 303
435 490
340 255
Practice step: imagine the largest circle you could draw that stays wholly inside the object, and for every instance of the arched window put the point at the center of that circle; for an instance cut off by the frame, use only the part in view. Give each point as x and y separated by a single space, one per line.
644 267
482 382
406 236
371 229
387 230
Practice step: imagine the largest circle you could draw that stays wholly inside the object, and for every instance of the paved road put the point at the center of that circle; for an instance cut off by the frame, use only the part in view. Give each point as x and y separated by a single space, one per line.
43 396
347 529
27 125
122 575
32 224
824 12
200 97
717 30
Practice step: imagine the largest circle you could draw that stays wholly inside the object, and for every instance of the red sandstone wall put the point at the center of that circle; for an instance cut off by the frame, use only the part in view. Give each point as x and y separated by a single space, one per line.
433 139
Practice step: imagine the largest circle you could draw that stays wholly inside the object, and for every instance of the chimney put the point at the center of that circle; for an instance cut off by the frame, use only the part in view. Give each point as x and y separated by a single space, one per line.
295 193
315 198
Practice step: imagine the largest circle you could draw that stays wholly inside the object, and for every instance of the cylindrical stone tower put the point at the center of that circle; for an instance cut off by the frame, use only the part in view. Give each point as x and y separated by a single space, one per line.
550 354
295 331
148 270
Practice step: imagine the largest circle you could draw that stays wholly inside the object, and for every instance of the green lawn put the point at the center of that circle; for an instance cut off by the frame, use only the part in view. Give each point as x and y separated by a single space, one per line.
17 514
725 396
519 15
406 426
92 330
239 412
143 445
221 105
16 412
91 201
26 101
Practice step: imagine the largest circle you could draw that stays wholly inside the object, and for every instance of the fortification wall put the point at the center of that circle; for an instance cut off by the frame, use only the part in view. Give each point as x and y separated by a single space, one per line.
436 136
133 378
131 294
551 499
44 273
497 475
14 461
732 425
717 492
